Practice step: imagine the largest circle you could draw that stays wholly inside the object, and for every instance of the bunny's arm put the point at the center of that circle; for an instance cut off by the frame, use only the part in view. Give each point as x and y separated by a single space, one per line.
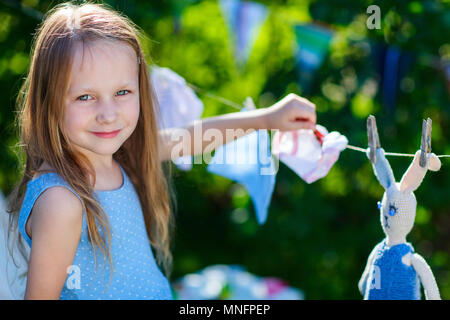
363 280
426 277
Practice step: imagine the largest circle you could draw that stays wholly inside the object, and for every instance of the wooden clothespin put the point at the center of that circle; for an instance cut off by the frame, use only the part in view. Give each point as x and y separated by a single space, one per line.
374 140
249 104
425 146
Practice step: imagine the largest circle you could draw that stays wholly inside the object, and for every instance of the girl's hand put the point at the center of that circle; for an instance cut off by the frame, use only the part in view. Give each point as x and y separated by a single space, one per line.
291 113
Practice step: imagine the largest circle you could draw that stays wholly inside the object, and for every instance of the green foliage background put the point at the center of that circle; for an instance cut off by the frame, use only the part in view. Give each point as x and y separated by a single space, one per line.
318 236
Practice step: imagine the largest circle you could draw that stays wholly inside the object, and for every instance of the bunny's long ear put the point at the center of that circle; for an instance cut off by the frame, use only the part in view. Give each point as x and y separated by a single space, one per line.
382 169
413 177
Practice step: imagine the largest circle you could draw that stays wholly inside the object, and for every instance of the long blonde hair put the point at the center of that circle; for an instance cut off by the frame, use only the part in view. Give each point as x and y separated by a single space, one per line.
42 136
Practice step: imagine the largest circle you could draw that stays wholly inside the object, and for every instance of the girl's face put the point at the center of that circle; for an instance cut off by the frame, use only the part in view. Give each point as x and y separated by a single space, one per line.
103 97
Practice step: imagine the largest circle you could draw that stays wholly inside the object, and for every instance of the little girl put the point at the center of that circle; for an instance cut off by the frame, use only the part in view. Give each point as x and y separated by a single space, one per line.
93 201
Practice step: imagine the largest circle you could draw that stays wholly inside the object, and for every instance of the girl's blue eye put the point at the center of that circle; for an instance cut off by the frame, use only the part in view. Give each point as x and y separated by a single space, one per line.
123 91
84 95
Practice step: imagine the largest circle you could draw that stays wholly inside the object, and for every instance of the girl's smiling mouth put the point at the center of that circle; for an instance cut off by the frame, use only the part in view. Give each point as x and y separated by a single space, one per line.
110 134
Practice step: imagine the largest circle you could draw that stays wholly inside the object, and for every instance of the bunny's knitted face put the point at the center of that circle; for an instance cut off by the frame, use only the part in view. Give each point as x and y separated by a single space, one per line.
397 212
398 206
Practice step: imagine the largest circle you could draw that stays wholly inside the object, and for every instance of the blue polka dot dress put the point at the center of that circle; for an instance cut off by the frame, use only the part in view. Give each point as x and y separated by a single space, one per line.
136 275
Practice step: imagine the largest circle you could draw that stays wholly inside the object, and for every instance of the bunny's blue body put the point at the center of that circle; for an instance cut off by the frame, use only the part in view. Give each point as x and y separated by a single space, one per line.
389 278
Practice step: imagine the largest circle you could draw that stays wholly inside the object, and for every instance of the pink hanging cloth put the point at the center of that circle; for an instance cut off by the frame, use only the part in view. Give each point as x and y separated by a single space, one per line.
311 154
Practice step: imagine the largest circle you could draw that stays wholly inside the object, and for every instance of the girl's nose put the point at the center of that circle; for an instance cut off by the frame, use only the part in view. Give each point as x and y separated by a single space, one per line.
107 113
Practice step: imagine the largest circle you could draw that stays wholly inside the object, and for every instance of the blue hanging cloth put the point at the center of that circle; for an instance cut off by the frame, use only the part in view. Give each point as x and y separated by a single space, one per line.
244 19
390 79
248 161
390 64
446 70
313 42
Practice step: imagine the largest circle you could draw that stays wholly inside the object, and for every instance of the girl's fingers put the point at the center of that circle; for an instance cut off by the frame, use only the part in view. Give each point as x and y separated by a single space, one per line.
301 119
310 113
305 114
303 123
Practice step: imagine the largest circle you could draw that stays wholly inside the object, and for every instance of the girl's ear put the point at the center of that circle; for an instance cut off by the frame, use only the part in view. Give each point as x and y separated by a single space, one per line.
382 169
413 177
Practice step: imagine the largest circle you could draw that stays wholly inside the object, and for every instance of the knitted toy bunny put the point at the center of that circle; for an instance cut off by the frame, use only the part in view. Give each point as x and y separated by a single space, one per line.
393 270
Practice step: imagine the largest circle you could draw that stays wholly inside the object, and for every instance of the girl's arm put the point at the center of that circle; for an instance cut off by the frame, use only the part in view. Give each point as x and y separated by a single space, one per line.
55 230
290 113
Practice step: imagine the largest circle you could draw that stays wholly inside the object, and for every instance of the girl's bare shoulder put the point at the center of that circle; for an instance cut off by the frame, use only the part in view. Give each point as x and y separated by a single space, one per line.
57 206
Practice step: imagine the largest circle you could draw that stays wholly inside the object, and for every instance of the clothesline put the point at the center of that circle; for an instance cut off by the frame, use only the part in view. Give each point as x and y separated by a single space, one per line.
394 154
239 107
